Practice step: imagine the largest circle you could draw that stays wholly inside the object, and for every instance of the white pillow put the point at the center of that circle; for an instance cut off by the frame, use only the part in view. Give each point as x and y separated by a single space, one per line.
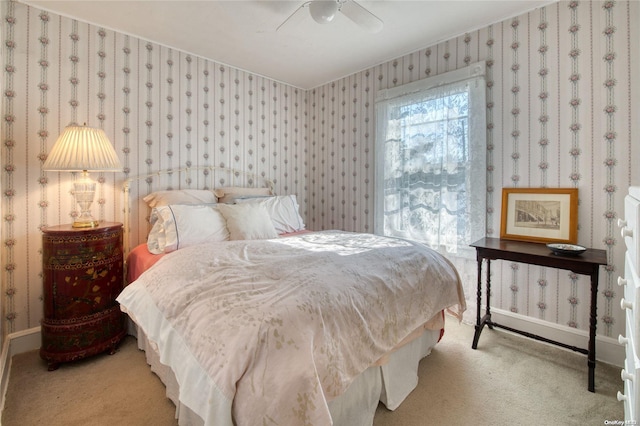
230 194
183 225
283 210
247 221
180 196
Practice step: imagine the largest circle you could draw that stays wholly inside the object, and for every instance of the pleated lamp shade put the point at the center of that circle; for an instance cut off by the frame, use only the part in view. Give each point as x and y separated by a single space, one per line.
85 149
82 148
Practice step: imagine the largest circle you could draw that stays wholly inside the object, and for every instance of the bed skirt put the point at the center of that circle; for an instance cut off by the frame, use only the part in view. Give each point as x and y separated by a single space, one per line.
390 383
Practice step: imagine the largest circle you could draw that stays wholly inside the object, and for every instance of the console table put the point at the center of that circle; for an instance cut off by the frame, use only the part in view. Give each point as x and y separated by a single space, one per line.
587 263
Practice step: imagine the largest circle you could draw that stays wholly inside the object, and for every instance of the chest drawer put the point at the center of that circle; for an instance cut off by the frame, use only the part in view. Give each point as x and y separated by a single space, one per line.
630 302
82 271
629 225
630 375
631 396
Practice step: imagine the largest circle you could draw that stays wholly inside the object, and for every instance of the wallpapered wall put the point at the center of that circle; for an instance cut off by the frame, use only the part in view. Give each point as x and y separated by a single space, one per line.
560 111
160 107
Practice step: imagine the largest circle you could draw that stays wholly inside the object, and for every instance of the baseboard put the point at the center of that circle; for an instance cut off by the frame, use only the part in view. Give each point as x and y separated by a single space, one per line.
14 344
5 365
608 349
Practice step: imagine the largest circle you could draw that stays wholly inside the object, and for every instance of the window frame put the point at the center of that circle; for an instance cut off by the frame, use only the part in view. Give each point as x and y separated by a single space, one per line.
473 73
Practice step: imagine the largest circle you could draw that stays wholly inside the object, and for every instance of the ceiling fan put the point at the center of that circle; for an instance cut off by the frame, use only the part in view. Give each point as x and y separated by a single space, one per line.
323 12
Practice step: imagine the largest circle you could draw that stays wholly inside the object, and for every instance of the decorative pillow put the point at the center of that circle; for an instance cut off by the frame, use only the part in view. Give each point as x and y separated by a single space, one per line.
231 194
247 221
180 196
183 225
283 210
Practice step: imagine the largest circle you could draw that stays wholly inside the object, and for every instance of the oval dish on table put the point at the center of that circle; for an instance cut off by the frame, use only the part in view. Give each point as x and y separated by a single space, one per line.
566 249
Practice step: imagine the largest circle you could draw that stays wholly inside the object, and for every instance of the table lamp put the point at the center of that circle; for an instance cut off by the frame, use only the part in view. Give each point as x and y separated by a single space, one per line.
84 149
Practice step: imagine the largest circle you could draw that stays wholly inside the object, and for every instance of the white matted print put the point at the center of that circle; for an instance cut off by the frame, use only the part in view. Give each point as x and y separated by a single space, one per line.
540 214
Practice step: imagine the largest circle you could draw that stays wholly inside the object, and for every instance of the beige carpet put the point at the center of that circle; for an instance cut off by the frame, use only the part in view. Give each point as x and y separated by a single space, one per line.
509 380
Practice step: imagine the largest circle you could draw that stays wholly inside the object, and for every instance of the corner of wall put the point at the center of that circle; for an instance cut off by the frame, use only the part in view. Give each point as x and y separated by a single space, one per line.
5 366
14 344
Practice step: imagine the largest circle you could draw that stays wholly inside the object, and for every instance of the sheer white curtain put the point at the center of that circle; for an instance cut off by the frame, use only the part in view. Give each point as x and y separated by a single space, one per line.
431 160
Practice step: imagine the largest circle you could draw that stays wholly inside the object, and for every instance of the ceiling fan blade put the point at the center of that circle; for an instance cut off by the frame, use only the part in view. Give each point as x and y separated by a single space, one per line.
361 16
296 17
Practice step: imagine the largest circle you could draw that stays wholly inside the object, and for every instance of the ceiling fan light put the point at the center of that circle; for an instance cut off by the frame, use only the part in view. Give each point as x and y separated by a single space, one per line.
323 11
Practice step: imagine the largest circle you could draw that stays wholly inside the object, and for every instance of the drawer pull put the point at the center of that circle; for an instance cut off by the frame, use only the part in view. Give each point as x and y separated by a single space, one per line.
622 223
626 376
621 396
621 281
626 232
623 340
625 304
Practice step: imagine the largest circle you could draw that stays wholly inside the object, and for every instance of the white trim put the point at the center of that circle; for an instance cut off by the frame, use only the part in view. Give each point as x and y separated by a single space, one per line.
477 69
5 369
24 341
16 343
608 349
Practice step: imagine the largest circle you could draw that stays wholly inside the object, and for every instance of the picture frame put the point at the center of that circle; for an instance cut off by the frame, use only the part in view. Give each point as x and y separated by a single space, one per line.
541 215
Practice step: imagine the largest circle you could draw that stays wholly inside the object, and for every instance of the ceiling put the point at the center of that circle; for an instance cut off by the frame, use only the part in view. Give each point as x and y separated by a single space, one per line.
302 53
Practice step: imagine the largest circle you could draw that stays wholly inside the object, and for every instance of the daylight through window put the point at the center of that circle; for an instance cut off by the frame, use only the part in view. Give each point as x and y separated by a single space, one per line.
430 150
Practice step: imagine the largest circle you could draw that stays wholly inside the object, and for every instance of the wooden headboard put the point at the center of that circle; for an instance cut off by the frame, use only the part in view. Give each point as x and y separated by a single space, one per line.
196 177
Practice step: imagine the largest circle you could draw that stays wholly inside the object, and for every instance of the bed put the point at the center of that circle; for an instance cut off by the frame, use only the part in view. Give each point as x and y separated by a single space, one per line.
249 318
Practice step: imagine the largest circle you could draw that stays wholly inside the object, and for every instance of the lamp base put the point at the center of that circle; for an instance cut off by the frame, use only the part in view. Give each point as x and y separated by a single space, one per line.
85 224
84 191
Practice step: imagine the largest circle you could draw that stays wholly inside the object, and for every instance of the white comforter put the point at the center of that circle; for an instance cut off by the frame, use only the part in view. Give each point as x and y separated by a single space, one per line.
280 327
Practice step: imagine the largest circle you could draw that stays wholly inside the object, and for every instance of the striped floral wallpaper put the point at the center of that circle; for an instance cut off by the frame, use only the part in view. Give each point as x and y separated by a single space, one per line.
161 108
560 111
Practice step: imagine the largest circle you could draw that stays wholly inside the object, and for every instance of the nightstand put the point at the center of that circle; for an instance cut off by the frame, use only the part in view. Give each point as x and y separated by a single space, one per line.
82 276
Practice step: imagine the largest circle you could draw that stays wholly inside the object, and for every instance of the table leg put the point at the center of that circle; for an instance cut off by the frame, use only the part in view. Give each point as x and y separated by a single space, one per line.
479 292
486 319
591 357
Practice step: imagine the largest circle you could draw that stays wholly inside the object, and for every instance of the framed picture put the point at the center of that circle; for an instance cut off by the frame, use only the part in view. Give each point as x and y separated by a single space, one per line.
543 215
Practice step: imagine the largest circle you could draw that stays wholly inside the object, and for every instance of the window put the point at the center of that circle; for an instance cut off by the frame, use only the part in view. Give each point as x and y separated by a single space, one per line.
430 160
